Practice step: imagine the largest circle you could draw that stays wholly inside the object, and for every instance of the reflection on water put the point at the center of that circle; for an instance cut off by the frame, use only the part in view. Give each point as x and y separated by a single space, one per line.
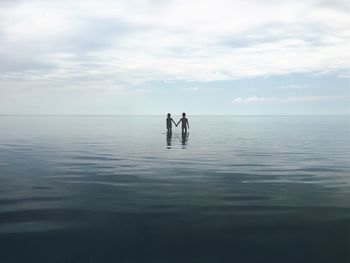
253 189
168 139
184 139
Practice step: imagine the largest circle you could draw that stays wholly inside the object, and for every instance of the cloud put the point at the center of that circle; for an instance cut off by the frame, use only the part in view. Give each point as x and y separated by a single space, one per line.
192 88
112 52
315 98
138 41
296 99
240 100
296 87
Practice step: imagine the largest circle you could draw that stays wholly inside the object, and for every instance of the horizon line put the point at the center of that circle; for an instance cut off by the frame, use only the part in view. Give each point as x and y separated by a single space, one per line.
158 115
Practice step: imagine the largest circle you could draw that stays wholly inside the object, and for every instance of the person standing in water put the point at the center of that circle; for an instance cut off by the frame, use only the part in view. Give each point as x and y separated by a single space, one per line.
184 123
169 121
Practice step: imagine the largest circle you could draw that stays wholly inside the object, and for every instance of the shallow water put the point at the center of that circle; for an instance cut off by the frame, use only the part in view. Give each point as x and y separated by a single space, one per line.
120 189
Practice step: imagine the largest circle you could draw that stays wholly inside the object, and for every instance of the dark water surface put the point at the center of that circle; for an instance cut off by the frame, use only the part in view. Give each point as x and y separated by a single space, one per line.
119 189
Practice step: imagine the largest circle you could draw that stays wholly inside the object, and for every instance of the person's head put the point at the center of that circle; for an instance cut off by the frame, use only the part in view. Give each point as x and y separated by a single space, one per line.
168 115
184 115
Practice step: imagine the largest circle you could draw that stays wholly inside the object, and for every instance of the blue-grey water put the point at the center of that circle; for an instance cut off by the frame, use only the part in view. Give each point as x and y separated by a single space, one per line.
119 189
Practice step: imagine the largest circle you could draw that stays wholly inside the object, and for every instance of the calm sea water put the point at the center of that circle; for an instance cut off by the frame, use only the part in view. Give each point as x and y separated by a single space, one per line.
119 189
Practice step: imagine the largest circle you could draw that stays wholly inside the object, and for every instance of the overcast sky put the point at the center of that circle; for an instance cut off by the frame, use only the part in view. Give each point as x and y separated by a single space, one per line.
155 56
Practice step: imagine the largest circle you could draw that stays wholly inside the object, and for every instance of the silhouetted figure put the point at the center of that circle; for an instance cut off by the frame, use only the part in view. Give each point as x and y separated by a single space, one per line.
169 121
168 140
184 123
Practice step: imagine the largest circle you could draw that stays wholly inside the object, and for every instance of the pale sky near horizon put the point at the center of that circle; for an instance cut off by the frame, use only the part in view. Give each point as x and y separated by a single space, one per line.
154 57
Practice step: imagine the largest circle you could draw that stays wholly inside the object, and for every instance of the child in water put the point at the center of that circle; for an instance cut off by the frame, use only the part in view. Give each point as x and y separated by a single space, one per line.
169 121
184 123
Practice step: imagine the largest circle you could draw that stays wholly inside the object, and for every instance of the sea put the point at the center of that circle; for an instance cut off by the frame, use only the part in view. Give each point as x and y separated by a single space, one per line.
121 189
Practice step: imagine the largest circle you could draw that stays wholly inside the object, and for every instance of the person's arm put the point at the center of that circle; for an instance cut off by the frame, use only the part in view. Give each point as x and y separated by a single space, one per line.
174 122
178 122
188 124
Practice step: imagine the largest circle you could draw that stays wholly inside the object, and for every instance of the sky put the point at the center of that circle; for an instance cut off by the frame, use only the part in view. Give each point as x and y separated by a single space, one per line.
204 57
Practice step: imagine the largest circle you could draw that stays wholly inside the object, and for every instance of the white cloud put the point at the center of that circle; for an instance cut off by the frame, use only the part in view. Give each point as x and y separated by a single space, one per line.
102 48
296 87
136 41
296 99
315 98
241 100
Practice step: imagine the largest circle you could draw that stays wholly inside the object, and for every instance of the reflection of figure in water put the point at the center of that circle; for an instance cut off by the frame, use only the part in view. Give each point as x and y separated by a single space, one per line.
184 123
169 121
168 139
184 137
